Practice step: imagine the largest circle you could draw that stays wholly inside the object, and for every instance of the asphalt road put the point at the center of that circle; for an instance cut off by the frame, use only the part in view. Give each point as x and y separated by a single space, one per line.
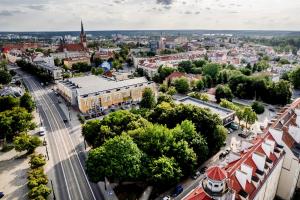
66 156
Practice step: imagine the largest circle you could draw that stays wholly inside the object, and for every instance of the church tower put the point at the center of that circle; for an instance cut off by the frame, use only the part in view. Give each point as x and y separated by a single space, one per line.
83 36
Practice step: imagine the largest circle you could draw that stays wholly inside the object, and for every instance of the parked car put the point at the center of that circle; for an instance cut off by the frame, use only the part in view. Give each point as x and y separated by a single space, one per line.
42 131
196 175
1 195
177 190
166 198
203 169
234 126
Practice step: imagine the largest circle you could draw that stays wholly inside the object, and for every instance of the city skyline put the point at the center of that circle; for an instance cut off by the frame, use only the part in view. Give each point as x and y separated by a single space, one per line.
149 15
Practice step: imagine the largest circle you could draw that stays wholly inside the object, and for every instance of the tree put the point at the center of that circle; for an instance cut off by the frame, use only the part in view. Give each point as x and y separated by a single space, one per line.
57 62
91 131
220 135
171 91
164 171
181 85
26 142
212 70
3 65
223 92
8 103
27 102
249 116
148 99
117 158
37 161
41 190
294 77
15 121
185 66
5 77
258 107
199 85
163 88
164 98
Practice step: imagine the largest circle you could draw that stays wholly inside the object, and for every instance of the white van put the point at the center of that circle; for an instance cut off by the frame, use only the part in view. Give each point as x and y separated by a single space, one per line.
42 131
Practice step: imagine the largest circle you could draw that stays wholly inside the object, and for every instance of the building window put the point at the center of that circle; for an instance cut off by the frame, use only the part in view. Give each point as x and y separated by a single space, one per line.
216 185
210 183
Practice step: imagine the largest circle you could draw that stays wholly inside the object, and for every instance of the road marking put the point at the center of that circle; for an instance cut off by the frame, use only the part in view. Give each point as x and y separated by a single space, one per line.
59 156
74 150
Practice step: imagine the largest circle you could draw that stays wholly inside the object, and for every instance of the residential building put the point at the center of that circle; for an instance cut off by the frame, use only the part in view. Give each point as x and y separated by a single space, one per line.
94 92
68 62
252 173
175 75
226 115
288 124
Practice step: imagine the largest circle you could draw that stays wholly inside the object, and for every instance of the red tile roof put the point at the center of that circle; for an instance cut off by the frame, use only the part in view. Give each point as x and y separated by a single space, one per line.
198 194
216 173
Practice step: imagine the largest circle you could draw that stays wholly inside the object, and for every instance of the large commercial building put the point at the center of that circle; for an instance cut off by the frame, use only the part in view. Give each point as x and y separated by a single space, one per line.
226 115
94 92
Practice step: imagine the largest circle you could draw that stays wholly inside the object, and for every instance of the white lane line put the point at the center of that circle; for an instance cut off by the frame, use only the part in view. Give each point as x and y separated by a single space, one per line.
75 151
59 156
62 139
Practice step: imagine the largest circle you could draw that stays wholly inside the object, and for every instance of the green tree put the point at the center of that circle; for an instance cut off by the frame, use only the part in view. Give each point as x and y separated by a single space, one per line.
258 107
171 91
223 92
27 102
181 85
185 66
26 142
8 103
15 121
164 171
37 161
3 65
164 98
199 85
212 70
41 190
5 77
294 77
91 132
249 116
163 88
148 99
220 135
117 158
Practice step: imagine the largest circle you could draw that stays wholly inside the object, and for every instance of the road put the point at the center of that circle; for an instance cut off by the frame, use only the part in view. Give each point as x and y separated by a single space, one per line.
67 158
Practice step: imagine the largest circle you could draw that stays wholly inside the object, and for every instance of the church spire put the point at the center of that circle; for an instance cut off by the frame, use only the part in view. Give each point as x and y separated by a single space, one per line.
82 29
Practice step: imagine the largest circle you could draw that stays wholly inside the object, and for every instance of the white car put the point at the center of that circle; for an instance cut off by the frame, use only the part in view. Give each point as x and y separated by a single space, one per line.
42 131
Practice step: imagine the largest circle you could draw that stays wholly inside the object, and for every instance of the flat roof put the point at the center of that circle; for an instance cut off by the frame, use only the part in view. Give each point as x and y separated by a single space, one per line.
215 108
92 84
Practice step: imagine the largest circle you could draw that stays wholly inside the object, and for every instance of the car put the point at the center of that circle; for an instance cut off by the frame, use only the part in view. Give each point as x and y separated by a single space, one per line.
166 198
203 169
177 190
65 121
234 126
1 195
272 109
42 131
196 175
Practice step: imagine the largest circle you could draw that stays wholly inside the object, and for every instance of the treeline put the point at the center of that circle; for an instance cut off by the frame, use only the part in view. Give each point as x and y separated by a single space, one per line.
41 73
160 146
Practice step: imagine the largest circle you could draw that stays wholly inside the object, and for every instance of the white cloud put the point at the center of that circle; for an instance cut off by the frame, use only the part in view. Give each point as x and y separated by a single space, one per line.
51 15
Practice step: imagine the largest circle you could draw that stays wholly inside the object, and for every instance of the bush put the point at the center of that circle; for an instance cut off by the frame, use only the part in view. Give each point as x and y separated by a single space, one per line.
37 161
41 190
258 107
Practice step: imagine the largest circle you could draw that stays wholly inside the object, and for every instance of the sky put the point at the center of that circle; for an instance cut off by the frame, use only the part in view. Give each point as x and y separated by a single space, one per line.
65 15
